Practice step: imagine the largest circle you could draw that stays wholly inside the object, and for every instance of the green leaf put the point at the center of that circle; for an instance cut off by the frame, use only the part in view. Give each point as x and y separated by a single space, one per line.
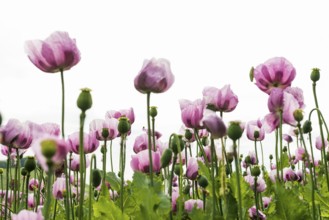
285 161
113 180
231 207
106 209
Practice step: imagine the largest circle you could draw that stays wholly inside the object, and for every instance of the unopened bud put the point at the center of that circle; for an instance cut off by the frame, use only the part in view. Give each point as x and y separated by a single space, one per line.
166 158
205 141
315 74
188 134
1 171
177 144
23 172
251 74
247 160
202 181
307 127
84 101
284 149
298 115
271 157
186 189
177 170
96 175
30 164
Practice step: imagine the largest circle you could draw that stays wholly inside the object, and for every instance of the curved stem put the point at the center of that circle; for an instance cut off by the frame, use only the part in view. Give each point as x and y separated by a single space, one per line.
197 138
149 136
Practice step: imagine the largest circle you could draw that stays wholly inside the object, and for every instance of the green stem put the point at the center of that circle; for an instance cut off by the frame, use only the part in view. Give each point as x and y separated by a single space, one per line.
149 136
256 197
153 134
170 182
237 168
17 181
310 141
7 181
321 131
104 160
46 208
27 190
255 142
122 169
63 103
281 147
111 158
68 194
277 154
261 148
82 167
55 208
197 138
92 160
214 197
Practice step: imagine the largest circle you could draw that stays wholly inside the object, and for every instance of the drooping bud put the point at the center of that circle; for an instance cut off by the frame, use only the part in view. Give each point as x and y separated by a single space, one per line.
23 172
124 125
153 111
177 144
166 158
186 189
84 101
202 181
255 171
30 164
234 131
298 115
48 148
205 141
97 178
315 74
307 127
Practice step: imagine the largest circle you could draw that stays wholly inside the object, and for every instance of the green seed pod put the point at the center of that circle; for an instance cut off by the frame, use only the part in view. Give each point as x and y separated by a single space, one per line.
97 178
124 125
48 148
255 171
307 127
298 115
315 74
188 134
0 119
84 101
166 158
234 131
284 149
247 160
251 74
153 111
30 164
105 133
205 141
202 181
256 135
271 157
177 140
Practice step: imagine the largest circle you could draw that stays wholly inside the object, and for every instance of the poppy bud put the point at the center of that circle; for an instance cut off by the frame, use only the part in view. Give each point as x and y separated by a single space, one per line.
298 115
315 74
251 74
23 172
247 160
271 157
166 158
105 133
123 125
188 134
307 127
177 140
202 181
205 141
84 101
30 164
1 171
177 169
96 175
256 135
186 189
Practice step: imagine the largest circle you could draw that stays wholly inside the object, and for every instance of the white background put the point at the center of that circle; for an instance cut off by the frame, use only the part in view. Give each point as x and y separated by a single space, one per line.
209 43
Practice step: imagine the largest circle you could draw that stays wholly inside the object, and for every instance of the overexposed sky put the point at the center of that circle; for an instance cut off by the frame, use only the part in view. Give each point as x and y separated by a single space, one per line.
209 43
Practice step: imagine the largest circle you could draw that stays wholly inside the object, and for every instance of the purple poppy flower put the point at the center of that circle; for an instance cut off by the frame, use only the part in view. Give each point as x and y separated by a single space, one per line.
129 113
300 154
266 201
141 143
193 203
75 162
261 185
33 184
98 125
155 76
277 72
280 101
289 174
223 100
192 113
59 188
58 158
90 143
287 138
57 53
214 124
318 143
17 134
253 214
192 168
255 126
27 215
140 161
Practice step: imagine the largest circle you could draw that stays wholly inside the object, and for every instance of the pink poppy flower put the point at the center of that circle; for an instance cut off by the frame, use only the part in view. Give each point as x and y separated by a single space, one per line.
59 188
318 143
27 215
192 113
253 214
90 143
129 113
192 168
191 203
214 124
57 53
255 126
155 76
140 161
223 100
277 72
98 125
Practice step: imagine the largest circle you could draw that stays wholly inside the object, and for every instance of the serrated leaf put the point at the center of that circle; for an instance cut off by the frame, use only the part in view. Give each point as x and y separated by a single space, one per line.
113 180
